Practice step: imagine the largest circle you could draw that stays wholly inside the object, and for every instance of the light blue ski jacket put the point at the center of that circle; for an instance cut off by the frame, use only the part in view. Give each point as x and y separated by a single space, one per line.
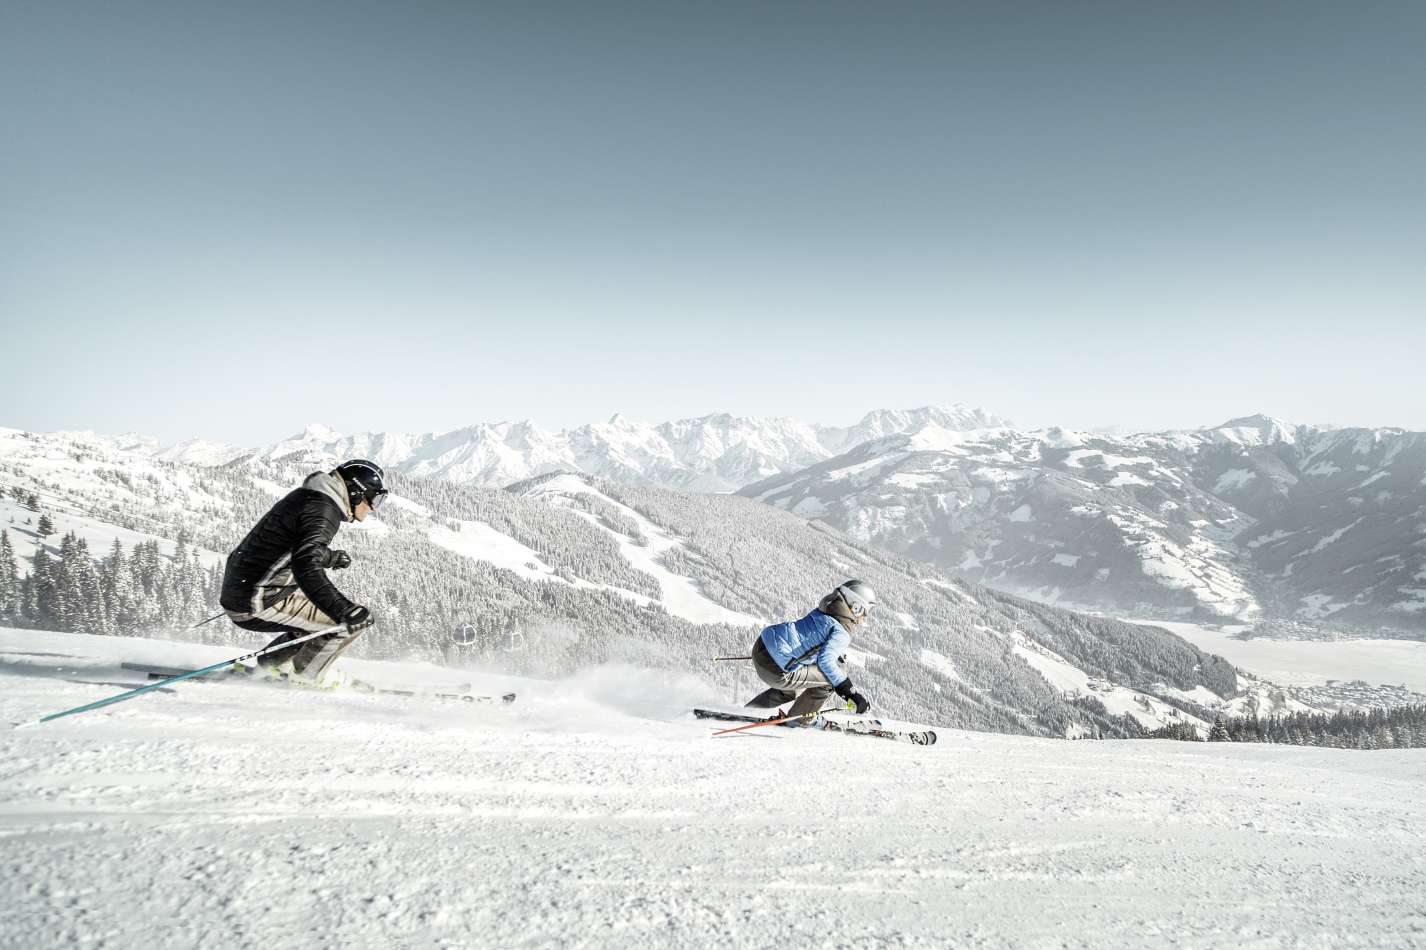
816 638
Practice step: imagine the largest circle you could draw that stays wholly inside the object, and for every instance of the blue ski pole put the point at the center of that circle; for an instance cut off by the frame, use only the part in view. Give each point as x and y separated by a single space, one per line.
181 676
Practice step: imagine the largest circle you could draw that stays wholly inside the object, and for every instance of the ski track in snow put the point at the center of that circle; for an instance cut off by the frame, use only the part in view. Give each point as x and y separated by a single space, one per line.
594 813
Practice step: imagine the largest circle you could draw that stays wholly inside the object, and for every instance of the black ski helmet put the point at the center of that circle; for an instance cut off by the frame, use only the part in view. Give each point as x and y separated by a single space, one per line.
852 599
365 481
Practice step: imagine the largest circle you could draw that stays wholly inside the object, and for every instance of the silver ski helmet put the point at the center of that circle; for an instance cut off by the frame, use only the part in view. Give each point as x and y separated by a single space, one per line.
365 481
852 600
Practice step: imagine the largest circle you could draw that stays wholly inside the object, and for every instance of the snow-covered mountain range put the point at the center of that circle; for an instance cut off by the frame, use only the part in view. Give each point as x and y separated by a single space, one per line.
1300 528
1251 520
565 571
712 453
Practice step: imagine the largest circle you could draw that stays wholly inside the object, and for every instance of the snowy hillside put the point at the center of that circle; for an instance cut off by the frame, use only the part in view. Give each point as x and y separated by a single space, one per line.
99 535
101 488
565 572
1252 520
595 812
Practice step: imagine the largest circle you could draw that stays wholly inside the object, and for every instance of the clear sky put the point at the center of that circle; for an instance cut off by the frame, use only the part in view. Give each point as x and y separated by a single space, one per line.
230 219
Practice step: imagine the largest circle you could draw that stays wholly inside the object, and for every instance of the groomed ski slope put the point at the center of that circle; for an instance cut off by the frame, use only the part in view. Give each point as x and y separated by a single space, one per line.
593 813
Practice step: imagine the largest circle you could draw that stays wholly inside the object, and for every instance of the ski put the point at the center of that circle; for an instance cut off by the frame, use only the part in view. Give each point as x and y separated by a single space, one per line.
862 727
261 674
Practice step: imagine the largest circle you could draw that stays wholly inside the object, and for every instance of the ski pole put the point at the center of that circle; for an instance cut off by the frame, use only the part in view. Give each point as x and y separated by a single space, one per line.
204 623
182 676
731 658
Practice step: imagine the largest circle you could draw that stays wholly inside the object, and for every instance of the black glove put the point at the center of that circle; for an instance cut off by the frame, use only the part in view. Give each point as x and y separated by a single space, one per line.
844 690
337 560
357 620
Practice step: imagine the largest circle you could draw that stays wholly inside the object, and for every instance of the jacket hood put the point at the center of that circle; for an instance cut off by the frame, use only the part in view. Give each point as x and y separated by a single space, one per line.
331 485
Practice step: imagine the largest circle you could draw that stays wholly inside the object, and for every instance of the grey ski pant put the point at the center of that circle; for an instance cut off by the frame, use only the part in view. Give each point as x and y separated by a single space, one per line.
785 685
289 614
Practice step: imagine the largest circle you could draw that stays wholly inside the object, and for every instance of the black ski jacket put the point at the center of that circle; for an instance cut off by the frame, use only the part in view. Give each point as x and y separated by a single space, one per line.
288 548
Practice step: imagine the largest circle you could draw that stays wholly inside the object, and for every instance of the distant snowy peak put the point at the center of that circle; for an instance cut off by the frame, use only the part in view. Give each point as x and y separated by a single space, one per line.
557 482
885 422
1255 430
199 452
134 442
1058 438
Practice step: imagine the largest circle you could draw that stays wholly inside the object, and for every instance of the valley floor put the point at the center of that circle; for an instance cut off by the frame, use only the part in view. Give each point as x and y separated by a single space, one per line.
594 812
1311 662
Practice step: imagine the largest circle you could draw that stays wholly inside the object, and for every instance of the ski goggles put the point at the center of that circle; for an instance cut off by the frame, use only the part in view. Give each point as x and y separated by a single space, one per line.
376 498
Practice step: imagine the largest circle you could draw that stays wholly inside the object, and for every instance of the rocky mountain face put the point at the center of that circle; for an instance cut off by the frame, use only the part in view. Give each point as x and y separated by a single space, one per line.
1252 520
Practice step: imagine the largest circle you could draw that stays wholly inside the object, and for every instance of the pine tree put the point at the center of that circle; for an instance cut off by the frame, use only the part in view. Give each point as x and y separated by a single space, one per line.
45 527
214 589
117 582
93 612
28 610
197 581
148 581
113 567
9 580
1219 732
44 592
69 600
128 604
33 502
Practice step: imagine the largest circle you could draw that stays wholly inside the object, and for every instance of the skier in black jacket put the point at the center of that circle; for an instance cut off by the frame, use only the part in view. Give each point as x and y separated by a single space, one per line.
276 579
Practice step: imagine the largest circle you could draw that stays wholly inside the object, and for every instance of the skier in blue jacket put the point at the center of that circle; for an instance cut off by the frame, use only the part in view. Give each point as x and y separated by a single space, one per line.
808 656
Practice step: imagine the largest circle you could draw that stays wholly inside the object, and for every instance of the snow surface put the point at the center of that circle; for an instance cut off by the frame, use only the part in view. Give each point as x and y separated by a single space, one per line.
1079 457
809 508
1318 606
939 663
594 812
1333 538
480 542
1233 479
